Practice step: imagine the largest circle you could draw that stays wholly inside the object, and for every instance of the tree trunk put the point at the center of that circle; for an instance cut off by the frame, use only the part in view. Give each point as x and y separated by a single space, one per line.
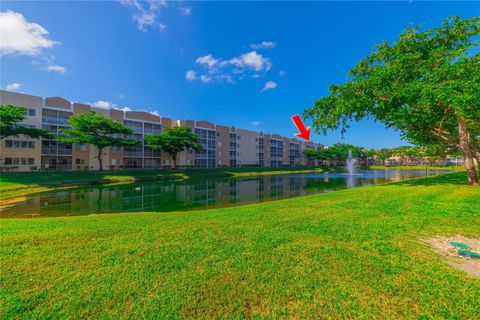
467 152
100 161
174 159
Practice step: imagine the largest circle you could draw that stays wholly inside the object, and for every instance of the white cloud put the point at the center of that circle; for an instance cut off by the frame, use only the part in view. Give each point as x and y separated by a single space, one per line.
205 79
252 60
155 113
190 75
56 68
264 45
281 73
186 11
227 78
247 64
208 60
162 27
155 4
18 36
13 86
145 15
269 85
125 109
103 104
256 123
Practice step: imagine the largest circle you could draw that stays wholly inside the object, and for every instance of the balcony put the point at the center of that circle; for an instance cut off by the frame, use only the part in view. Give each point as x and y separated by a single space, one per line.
151 154
133 153
65 151
54 120
154 131
49 151
55 151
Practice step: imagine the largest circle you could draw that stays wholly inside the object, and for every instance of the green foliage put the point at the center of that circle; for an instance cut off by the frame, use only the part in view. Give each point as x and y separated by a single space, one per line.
10 116
409 153
96 129
174 140
311 153
336 152
426 85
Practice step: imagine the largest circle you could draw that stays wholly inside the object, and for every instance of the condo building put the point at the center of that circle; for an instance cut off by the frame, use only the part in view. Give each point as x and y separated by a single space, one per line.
222 146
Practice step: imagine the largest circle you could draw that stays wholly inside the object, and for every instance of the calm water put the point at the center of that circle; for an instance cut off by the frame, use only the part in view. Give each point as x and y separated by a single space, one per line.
161 196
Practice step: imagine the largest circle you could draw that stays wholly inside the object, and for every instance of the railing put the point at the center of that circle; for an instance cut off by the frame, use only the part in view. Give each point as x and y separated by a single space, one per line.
54 120
65 151
152 130
151 154
132 153
56 151
49 150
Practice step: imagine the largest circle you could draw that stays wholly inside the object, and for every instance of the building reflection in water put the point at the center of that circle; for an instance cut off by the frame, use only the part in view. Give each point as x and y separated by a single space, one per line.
164 196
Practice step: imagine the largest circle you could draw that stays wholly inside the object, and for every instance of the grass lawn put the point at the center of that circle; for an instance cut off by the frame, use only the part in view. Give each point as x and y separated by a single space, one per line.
21 183
348 254
449 168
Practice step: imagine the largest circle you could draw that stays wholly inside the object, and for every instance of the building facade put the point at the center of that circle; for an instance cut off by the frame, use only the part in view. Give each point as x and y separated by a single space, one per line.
223 146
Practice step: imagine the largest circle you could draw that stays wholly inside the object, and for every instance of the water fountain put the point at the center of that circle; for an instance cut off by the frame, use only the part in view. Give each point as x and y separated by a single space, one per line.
351 164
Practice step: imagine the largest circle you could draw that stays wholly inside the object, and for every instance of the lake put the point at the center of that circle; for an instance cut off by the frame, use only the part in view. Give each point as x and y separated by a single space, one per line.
193 194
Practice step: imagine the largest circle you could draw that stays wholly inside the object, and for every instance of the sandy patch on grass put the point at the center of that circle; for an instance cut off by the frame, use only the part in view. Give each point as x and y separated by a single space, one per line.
450 255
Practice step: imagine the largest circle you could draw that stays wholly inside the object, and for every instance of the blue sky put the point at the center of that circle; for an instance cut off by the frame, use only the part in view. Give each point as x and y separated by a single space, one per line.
247 64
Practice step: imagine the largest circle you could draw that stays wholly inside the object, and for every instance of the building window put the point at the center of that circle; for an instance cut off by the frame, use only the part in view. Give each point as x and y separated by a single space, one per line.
19 161
115 162
116 149
79 161
219 153
19 144
219 144
165 162
205 158
81 147
136 126
30 112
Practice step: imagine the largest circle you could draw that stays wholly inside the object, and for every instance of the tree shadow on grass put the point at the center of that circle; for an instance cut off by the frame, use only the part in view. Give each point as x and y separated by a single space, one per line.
458 178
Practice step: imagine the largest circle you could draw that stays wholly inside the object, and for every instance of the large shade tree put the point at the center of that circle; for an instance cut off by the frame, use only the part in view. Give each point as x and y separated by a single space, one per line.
96 129
10 118
174 140
426 85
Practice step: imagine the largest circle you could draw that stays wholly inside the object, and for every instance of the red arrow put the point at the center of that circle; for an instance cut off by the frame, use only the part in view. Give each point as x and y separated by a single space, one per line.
304 132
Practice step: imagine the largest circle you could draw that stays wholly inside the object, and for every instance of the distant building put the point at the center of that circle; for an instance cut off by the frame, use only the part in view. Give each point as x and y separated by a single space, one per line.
223 146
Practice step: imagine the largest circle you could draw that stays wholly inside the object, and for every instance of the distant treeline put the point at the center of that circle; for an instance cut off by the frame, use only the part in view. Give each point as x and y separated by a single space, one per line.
404 155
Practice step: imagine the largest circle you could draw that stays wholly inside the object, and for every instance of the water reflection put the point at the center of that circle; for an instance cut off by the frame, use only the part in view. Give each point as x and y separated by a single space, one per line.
196 194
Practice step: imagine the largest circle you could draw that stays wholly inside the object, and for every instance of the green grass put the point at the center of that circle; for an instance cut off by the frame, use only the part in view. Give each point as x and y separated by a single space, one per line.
450 168
21 183
348 254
